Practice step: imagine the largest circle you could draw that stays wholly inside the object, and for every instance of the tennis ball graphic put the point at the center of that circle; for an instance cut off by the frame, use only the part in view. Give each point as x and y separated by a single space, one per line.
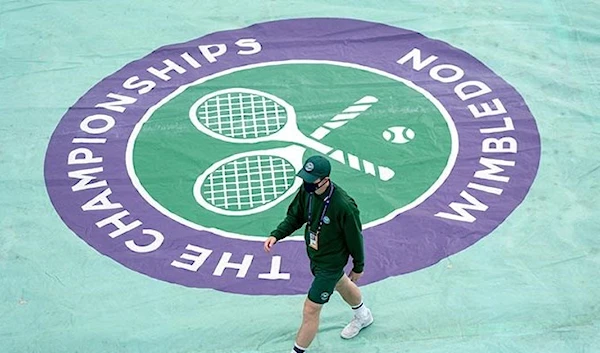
398 134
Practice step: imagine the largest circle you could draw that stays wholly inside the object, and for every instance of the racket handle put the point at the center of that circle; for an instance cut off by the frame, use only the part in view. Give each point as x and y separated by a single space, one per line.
383 173
357 108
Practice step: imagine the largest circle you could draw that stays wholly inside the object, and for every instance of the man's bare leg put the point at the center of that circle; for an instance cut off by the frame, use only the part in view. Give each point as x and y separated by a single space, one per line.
310 324
362 315
349 291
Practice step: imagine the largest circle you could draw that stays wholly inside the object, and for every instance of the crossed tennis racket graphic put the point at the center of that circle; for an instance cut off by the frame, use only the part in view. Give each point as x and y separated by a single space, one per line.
251 182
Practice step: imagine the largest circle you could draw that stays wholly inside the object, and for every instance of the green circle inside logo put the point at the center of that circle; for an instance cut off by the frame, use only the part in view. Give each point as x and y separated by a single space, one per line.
375 125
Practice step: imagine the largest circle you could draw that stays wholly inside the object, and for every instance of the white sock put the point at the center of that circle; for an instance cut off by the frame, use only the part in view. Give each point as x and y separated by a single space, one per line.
360 310
298 349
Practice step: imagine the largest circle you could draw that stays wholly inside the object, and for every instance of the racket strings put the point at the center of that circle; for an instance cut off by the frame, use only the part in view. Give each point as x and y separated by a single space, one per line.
248 182
242 115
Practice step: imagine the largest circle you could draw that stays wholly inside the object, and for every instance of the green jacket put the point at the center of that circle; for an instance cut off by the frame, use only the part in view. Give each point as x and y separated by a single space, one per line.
339 239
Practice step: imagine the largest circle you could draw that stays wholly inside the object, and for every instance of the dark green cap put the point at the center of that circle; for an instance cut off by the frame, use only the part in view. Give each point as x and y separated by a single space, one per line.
314 168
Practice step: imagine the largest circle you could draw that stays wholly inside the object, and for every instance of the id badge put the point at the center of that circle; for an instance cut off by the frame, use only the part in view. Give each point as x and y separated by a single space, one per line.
313 241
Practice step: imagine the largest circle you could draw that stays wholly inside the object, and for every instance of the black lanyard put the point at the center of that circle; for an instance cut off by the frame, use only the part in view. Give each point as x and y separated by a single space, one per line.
325 207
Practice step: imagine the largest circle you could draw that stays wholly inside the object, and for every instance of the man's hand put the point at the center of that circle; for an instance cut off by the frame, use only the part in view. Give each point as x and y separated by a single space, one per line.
354 277
269 243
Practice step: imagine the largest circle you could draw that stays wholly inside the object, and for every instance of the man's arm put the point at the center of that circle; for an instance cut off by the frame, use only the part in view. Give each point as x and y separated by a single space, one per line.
354 237
293 220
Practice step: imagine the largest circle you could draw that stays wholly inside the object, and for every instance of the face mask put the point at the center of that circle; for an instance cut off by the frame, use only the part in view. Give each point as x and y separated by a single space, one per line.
310 187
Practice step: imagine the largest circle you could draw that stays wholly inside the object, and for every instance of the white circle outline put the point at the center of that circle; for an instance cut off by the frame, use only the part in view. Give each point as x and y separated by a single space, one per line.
438 183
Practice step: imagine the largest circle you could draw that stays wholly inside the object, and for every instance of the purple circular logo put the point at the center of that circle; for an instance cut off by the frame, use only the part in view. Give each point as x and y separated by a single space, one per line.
488 160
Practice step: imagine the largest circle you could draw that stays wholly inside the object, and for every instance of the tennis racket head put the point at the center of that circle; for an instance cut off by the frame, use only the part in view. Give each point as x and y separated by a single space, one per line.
241 115
250 182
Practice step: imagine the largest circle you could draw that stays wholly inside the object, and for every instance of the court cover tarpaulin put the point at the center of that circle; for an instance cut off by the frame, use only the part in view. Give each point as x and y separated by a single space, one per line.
148 151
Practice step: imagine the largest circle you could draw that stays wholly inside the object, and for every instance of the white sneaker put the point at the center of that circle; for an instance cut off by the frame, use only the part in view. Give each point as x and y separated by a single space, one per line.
357 324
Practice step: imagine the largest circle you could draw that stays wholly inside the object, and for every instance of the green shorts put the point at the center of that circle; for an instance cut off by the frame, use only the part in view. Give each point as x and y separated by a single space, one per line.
323 285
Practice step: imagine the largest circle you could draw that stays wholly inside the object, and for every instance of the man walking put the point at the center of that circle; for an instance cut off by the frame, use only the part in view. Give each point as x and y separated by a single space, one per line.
332 233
